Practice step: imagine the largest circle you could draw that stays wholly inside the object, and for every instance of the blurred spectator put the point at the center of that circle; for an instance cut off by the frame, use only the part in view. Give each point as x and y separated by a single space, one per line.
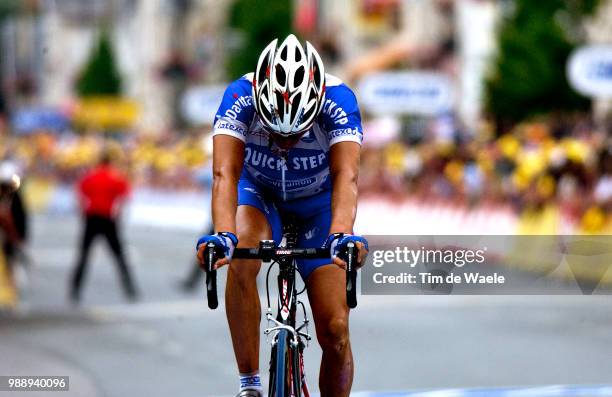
597 218
9 183
102 192
603 188
18 214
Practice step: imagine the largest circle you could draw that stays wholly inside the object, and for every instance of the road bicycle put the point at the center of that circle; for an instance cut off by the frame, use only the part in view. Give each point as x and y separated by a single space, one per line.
287 377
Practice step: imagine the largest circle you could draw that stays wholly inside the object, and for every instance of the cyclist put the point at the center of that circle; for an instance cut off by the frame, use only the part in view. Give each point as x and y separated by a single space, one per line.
287 142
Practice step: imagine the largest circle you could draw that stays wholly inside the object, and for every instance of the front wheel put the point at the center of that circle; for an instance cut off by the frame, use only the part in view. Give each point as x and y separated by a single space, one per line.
285 371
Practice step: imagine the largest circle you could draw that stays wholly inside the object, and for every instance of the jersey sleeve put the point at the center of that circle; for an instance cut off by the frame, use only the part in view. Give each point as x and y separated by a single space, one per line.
236 110
341 117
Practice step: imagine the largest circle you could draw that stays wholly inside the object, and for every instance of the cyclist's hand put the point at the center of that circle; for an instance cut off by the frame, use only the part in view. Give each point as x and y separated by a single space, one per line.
336 243
226 241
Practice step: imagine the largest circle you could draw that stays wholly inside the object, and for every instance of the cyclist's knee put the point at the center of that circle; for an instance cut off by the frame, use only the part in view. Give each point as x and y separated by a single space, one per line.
252 227
333 334
243 271
248 238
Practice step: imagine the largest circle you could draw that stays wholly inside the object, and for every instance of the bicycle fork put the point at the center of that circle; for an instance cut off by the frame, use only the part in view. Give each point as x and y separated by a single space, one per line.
274 326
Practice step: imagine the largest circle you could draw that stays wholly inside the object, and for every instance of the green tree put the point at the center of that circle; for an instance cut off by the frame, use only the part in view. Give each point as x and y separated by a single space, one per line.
100 75
529 74
257 22
8 7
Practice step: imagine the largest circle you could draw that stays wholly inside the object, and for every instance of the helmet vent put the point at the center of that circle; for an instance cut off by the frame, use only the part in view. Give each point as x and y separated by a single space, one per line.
317 75
298 77
312 95
281 78
298 54
283 54
265 112
294 109
280 103
308 113
262 75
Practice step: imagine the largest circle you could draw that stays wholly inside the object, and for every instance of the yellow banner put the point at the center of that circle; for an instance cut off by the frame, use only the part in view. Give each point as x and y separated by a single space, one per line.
105 112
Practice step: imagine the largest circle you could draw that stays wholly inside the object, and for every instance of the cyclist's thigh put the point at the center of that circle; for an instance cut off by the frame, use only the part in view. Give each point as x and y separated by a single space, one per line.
250 195
256 219
251 226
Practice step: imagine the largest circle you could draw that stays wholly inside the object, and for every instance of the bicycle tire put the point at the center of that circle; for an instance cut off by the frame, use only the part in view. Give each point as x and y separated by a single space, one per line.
296 371
285 376
272 379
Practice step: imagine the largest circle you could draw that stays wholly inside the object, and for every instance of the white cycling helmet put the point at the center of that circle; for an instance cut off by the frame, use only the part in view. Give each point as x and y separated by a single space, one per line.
288 86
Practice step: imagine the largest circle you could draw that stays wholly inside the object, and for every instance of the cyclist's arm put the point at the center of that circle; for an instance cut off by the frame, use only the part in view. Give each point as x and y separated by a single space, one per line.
229 134
228 158
344 170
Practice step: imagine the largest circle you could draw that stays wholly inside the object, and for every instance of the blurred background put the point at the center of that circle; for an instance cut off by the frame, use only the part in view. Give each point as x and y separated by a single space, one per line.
479 117
467 105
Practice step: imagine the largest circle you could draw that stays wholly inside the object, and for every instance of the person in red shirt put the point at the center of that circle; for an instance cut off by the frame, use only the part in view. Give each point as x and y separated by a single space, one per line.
101 192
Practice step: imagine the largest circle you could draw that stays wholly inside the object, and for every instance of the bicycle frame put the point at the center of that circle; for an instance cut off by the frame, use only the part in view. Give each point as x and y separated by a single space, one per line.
287 297
285 320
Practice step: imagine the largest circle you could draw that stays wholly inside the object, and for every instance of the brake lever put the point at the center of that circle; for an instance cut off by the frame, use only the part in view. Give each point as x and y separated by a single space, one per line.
351 274
211 254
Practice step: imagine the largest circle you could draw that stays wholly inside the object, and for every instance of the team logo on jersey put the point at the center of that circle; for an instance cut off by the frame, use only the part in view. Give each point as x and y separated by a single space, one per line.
266 160
345 132
239 104
336 112
312 233
224 124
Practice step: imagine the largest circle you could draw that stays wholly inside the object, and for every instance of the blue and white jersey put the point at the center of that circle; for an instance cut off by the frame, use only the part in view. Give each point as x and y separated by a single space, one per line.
305 171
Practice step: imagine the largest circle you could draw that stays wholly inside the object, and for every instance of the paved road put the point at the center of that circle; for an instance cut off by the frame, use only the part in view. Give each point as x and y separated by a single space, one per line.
171 344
